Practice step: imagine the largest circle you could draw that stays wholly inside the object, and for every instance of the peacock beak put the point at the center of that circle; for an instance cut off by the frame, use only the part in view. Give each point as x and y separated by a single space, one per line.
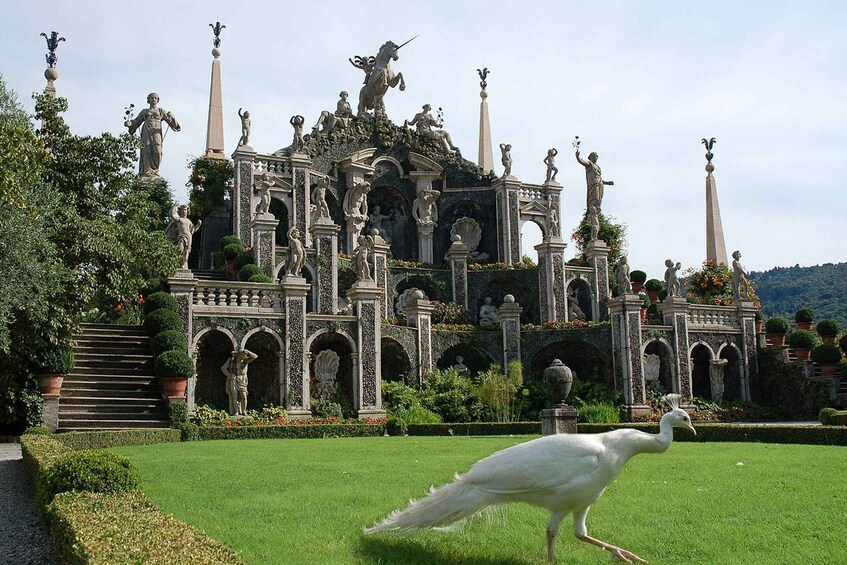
693 431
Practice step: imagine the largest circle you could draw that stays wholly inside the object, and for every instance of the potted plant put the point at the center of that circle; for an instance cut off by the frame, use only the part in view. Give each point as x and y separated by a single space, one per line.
760 322
802 341
263 279
827 329
645 304
174 367
828 357
653 288
776 328
53 364
231 252
637 278
804 318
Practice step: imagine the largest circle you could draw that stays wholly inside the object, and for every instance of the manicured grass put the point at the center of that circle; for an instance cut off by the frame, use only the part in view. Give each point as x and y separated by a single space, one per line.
306 501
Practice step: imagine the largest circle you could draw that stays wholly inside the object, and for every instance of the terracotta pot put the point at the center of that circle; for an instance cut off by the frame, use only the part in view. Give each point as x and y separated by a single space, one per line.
174 386
760 324
229 266
777 340
828 370
50 383
803 353
654 295
637 287
804 325
828 339
643 315
559 379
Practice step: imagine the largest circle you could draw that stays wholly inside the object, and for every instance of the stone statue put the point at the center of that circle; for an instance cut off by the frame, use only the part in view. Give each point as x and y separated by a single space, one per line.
424 123
671 278
345 306
741 287
594 180
263 187
552 217
716 379
361 257
326 371
296 254
378 78
550 161
424 208
329 122
574 311
652 366
506 158
460 366
235 370
320 209
594 223
151 135
356 201
622 277
488 313
375 219
299 144
181 231
245 127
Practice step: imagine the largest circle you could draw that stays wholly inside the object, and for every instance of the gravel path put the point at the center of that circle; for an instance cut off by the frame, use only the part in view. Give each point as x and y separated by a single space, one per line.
22 539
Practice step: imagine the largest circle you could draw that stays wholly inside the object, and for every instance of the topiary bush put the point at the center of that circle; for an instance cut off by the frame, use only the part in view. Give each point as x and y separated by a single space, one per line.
248 271
229 240
826 354
637 276
776 325
174 364
242 261
826 414
160 301
260 278
804 315
827 328
654 285
232 251
56 360
170 340
159 321
803 339
91 470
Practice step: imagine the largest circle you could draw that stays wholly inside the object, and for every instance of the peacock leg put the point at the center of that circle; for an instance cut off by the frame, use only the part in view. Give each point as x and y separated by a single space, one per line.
581 532
552 530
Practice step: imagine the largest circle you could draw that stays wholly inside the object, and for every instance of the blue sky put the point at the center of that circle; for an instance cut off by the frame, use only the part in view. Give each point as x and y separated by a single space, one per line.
640 83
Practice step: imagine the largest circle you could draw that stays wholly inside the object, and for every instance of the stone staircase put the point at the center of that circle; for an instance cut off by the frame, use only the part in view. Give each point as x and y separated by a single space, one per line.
113 385
209 274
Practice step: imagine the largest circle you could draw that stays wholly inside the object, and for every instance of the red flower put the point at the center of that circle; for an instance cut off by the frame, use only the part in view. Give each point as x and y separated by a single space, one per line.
118 308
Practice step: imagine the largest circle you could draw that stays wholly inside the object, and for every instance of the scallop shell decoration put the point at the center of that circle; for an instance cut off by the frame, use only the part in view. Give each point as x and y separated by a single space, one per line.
326 365
469 230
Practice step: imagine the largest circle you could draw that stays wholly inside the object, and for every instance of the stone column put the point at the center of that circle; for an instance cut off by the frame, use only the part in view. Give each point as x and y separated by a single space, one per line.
597 255
380 251
419 315
507 191
242 196
675 314
263 227
325 241
625 312
367 400
297 399
50 412
750 362
457 256
510 324
354 174
182 287
551 280
301 181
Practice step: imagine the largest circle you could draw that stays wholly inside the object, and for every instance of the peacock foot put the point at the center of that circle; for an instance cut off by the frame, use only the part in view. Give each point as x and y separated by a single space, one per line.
626 556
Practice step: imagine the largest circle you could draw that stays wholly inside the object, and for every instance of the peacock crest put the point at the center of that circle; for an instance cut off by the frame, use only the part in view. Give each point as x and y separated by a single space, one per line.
673 400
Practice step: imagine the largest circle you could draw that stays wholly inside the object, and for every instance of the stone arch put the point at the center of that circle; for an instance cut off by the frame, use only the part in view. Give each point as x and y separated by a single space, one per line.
451 212
212 348
475 359
281 209
396 361
400 227
701 354
233 340
584 294
388 159
346 380
733 371
667 368
264 374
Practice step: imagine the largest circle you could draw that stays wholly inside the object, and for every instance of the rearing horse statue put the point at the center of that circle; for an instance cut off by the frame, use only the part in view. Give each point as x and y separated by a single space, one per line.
378 78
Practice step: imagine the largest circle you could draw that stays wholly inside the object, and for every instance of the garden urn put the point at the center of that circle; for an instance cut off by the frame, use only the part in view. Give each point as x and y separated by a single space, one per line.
559 379
174 386
50 383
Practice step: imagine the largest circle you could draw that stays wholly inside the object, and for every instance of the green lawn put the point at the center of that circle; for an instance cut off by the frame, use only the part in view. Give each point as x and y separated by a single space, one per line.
306 501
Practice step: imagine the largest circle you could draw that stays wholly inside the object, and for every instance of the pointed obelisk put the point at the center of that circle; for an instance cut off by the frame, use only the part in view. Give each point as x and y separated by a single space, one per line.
51 74
486 154
715 246
215 126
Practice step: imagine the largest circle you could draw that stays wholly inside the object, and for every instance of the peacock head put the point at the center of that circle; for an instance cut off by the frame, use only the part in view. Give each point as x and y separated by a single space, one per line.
677 417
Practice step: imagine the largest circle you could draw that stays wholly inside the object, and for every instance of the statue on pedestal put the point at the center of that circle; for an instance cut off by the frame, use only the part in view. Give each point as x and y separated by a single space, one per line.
378 78
574 311
550 161
622 277
460 366
245 127
235 370
741 287
181 231
299 144
594 181
329 122
506 158
716 379
263 187
375 219
151 135
424 122
361 258
356 202
671 279
594 223
488 313
552 217
326 371
319 207
424 208
296 254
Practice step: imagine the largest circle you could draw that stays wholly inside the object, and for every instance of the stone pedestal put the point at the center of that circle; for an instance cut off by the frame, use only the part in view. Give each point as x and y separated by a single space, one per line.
425 243
419 315
380 251
242 197
297 401
457 256
747 319
325 241
354 174
507 191
182 286
301 195
510 323
553 296
625 313
367 378
597 255
560 419
675 314
50 412
263 230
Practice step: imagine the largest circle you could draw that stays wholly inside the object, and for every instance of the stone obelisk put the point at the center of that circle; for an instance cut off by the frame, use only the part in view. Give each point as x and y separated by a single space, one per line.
215 125
715 246
486 154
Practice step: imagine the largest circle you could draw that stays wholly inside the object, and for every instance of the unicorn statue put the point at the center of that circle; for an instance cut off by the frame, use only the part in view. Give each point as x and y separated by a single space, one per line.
378 78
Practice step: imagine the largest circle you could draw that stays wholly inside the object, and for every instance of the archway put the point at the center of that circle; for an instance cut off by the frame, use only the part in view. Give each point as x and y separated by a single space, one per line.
666 382
532 233
341 390
391 212
280 212
732 373
263 387
701 355
213 349
396 365
475 360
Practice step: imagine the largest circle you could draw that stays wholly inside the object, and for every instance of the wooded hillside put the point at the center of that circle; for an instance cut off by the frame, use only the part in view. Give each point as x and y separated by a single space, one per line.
823 288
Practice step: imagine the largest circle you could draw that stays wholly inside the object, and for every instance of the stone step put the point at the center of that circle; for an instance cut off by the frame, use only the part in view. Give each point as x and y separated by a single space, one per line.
82 391
85 424
113 347
111 330
75 413
110 380
209 274
115 369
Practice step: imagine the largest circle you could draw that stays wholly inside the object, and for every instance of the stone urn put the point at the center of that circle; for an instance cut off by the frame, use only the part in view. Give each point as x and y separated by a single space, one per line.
50 383
559 379
174 386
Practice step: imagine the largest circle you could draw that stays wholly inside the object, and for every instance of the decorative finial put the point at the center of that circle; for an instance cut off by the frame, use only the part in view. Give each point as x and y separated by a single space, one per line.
216 29
709 144
483 74
52 44
576 143
128 114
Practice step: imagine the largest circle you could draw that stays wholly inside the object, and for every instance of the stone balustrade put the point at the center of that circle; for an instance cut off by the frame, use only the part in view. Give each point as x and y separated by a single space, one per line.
705 315
271 164
531 193
212 296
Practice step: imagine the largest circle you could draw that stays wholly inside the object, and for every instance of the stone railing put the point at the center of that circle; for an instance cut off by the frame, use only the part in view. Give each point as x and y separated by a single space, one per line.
272 164
700 315
531 193
217 295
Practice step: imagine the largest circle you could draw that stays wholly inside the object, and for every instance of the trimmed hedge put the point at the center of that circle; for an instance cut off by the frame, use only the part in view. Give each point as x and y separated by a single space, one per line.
174 364
637 276
475 429
127 528
229 240
242 261
88 470
39 451
802 338
248 271
825 354
162 320
833 417
260 278
170 340
654 285
232 250
291 432
804 315
827 328
114 438
159 301
776 325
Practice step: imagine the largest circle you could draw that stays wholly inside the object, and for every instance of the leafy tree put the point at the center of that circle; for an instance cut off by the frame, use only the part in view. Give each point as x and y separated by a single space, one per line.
612 233
211 183
784 290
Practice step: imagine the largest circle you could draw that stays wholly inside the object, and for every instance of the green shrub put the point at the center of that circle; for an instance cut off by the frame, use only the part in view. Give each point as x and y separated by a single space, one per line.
396 427
248 271
91 470
663 294
654 285
174 364
599 413
208 416
475 429
232 251
260 278
154 285
325 409
103 439
826 414
242 261
38 431
228 240
291 431
160 321
160 300
170 340
39 451
645 300
637 276
269 413
58 359
804 315
188 431
758 316
776 325
827 328
451 396
826 354
802 338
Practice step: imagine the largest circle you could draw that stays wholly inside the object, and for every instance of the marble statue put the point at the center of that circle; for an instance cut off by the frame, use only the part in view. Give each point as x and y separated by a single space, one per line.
550 161
552 217
326 371
506 158
378 78
181 231
594 181
329 122
671 278
356 201
263 187
574 311
361 257
151 135
622 277
235 370
460 365
716 378
488 313
594 223
296 254
299 144
245 127
652 366
424 208
424 123
320 209
345 306
741 287
375 219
